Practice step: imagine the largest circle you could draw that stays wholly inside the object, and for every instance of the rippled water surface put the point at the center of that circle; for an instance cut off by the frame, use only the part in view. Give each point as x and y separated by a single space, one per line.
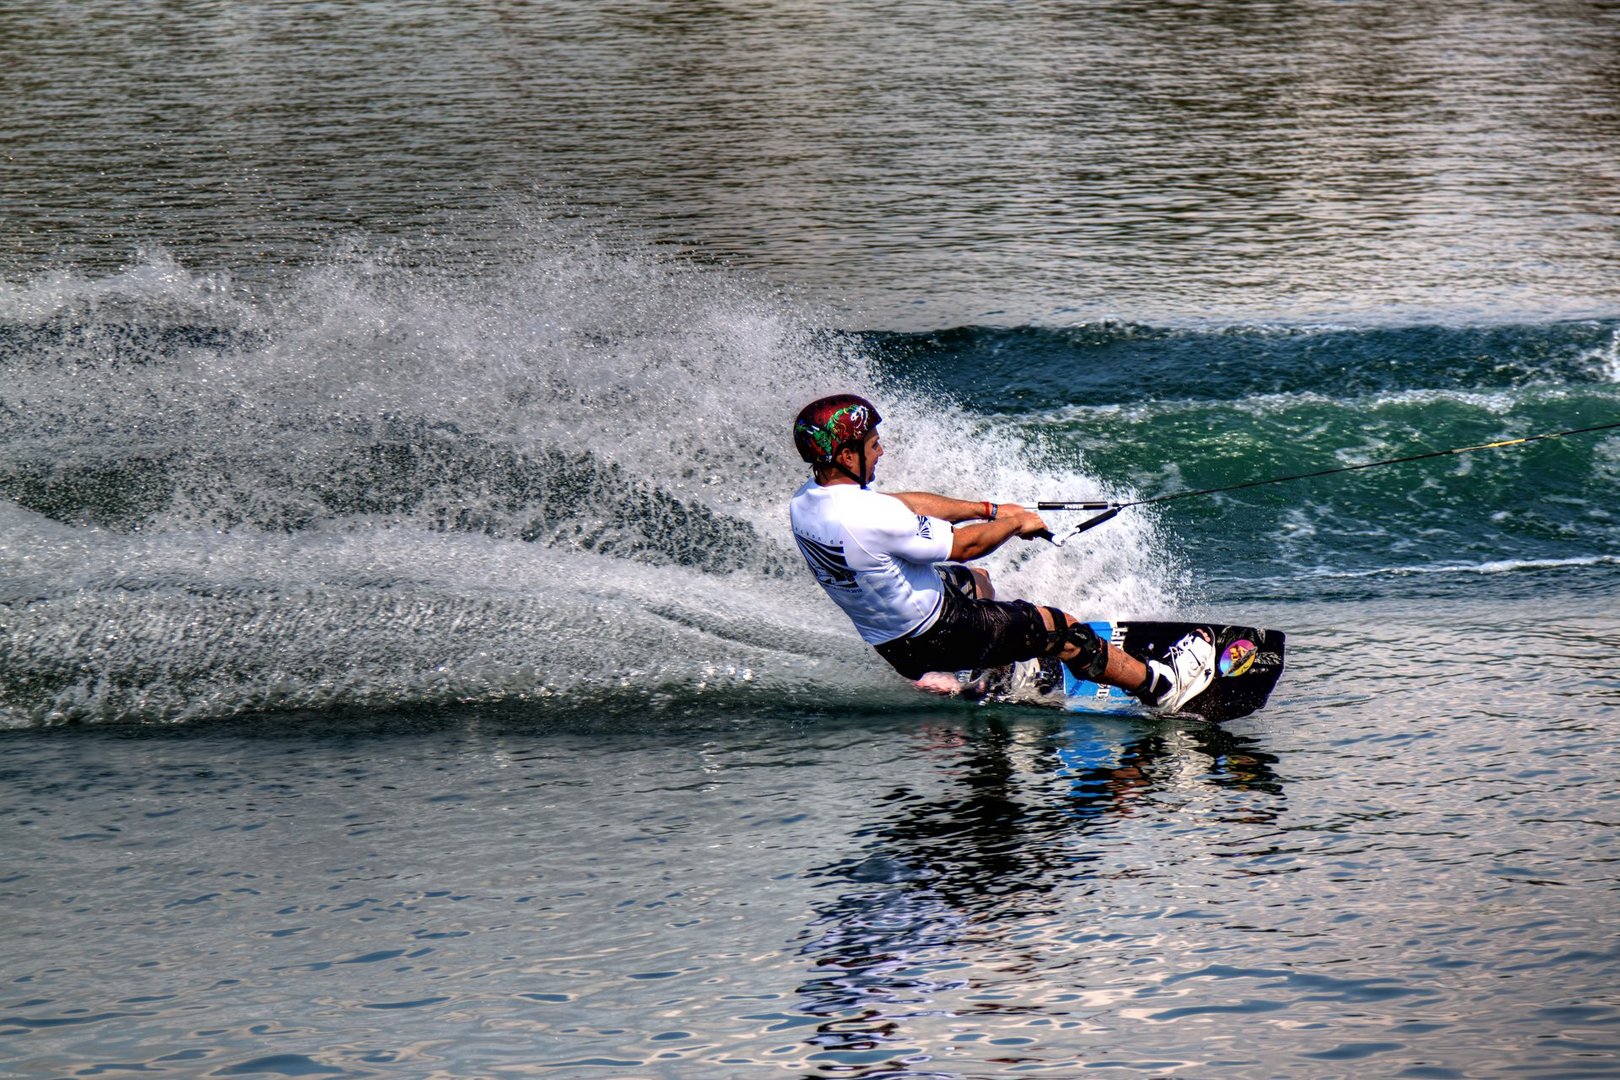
1027 161
1403 868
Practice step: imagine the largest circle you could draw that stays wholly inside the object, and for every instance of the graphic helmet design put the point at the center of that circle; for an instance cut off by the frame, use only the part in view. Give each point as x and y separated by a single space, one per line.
827 425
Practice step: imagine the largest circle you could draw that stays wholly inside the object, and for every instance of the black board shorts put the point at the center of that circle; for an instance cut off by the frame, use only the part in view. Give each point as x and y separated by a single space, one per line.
969 633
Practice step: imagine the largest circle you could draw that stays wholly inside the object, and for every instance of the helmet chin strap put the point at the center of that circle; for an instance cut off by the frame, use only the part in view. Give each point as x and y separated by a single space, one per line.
860 450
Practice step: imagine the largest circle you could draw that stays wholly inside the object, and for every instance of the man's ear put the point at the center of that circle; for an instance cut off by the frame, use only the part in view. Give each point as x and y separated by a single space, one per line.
850 459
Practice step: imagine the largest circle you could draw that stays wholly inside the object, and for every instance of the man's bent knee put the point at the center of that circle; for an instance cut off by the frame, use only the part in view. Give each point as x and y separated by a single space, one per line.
1090 657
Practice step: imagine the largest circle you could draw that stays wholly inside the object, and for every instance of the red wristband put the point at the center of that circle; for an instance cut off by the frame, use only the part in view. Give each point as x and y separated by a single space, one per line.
990 509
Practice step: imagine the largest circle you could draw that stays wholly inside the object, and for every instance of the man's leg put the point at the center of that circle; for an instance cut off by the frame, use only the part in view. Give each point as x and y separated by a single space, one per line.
1088 656
971 583
1166 684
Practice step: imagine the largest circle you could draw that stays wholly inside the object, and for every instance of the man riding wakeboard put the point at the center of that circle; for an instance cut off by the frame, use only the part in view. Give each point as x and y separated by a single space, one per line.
893 563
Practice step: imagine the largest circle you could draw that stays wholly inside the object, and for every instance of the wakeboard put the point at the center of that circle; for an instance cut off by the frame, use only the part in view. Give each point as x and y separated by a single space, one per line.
1248 663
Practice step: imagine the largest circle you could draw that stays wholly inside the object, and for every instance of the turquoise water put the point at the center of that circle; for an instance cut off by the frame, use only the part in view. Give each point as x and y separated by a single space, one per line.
405 669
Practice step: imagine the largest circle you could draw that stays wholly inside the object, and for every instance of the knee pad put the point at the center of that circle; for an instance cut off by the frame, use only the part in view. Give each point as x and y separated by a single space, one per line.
1092 657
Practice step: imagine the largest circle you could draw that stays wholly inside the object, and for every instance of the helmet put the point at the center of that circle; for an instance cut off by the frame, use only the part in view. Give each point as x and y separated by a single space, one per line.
827 425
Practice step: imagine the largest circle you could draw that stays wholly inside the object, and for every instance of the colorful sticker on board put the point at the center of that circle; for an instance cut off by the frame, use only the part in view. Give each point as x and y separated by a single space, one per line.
1238 657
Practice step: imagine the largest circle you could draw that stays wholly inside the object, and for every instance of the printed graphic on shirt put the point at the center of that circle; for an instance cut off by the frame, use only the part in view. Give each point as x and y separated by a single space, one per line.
828 563
922 528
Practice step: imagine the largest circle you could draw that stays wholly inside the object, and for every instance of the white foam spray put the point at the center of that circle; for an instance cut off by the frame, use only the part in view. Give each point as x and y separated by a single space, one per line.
316 493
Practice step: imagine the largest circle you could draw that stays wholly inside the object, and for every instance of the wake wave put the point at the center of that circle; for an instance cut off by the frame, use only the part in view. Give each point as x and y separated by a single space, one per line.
1130 364
374 484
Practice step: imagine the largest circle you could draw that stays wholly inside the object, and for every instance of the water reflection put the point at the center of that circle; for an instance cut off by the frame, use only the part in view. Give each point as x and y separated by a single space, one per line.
1012 834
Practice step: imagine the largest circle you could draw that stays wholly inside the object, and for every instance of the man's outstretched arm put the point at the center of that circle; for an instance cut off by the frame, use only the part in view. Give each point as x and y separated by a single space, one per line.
973 541
943 506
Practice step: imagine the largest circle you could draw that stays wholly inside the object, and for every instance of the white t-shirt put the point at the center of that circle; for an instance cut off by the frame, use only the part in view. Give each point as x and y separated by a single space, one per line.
874 556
